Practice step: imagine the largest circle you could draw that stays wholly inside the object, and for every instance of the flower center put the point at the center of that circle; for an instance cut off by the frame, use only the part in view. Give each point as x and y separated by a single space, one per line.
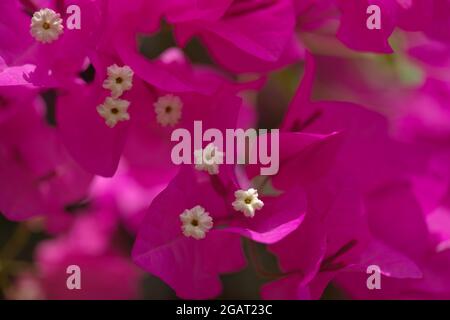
119 80
168 110
247 202
46 25
208 159
113 111
196 222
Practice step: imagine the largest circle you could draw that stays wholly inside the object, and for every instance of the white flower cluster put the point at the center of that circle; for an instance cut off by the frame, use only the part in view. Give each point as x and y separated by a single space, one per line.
196 222
113 110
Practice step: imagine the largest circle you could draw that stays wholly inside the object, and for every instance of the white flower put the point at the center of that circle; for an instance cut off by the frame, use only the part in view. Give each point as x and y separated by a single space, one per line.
247 202
208 159
46 25
168 110
196 222
119 79
113 111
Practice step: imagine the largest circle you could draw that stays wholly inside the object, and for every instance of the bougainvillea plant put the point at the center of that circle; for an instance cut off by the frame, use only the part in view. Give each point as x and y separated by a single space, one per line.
200 149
